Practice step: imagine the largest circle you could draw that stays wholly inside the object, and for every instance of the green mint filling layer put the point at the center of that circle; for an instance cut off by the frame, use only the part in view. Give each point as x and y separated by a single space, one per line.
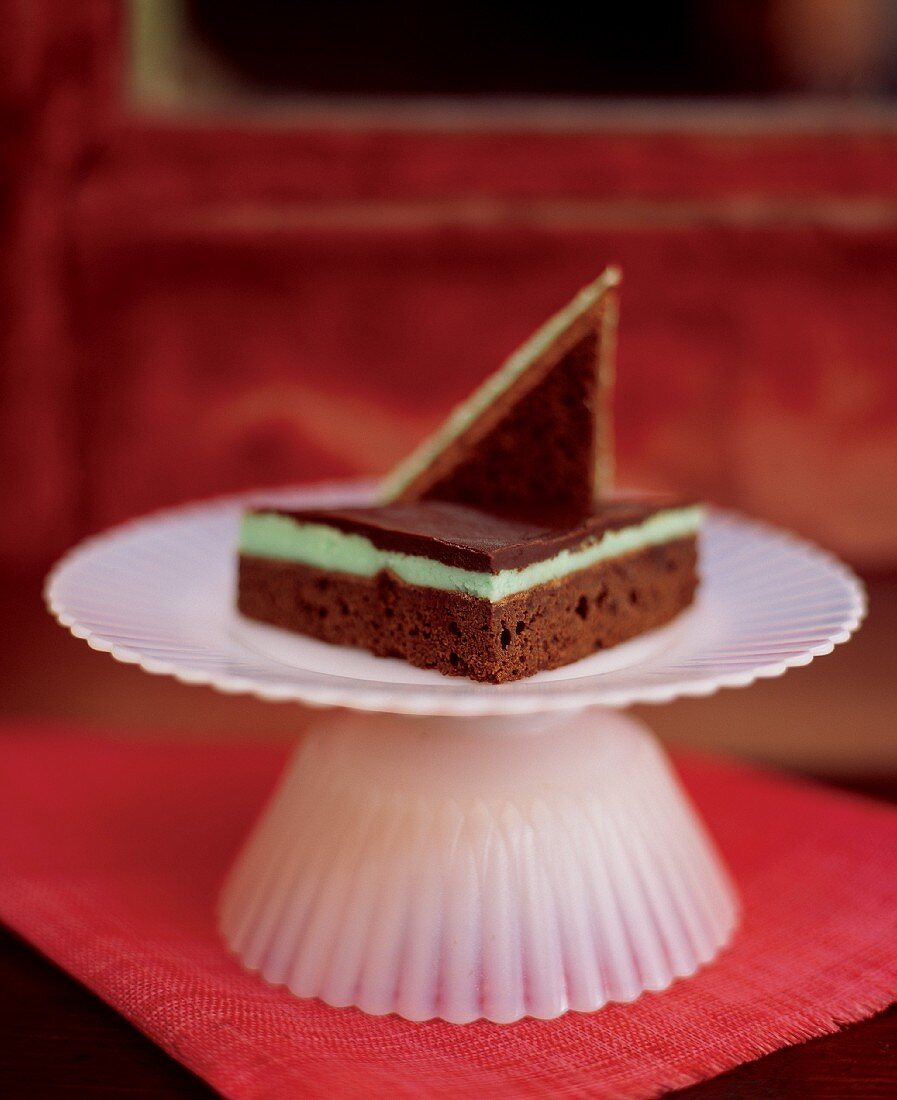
269 535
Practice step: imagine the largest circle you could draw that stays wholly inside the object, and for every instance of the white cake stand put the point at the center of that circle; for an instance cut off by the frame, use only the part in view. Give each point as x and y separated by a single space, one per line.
440 848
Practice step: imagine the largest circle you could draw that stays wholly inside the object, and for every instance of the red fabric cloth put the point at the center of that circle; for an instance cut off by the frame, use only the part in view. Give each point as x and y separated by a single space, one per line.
112 852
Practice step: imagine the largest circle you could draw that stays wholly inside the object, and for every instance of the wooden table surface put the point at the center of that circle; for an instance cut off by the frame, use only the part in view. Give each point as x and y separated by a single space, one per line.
834 719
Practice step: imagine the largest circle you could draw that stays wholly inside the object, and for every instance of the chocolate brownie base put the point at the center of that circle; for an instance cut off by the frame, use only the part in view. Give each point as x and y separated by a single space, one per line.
545 627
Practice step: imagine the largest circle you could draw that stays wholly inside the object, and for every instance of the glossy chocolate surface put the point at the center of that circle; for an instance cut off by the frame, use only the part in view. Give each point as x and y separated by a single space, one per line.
470 539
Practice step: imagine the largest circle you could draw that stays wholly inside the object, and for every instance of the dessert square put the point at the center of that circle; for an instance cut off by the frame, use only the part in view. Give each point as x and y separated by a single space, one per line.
494 552
451 588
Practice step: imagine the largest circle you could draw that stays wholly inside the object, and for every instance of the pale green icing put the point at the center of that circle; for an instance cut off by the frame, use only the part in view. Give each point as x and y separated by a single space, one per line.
270 535
464 415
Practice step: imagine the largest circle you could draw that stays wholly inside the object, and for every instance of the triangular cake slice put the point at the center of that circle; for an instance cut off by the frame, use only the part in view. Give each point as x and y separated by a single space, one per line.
536 436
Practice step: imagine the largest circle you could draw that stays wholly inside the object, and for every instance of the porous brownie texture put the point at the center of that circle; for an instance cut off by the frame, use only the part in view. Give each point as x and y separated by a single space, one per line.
545 441
544 627
542 450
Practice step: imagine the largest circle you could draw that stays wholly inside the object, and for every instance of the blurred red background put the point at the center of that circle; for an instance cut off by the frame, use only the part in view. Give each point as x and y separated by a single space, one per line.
198 303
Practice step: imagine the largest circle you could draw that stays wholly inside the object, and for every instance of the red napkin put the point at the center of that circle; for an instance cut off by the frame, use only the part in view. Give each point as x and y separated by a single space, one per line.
112 852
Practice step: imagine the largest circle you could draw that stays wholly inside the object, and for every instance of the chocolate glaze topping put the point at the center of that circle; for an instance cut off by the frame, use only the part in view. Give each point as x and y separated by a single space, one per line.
470 539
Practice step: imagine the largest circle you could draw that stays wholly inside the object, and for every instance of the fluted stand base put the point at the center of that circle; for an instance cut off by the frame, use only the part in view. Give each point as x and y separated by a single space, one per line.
477 867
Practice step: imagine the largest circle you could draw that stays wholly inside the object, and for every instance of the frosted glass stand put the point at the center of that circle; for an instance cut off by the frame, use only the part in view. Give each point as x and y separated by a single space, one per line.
458 868
533 859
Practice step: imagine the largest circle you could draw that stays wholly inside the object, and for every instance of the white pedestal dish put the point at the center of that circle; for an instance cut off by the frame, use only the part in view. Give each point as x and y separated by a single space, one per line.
449 867
459 850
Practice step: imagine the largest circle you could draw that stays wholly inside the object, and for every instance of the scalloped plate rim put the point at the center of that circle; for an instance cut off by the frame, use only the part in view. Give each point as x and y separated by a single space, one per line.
522 697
